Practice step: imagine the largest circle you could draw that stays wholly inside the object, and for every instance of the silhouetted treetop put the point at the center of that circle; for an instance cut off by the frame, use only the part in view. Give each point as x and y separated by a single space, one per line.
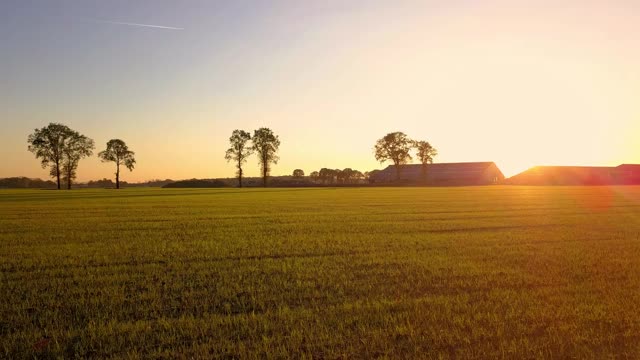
425 152
118 152
78 147
396 147
239 151
48 144
60 148
266 144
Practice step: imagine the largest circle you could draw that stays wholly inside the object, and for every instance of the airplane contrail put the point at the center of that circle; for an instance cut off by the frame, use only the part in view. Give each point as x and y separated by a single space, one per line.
135 24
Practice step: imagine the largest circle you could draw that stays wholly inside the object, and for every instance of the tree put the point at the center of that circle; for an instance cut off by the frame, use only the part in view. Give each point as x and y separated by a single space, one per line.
298 173
60 148
314 176
425 153
239 151
327 175
395 147
349 176
265 144
357 175
346 175
104 183
48 145
339 176
76 148
118 152
372 175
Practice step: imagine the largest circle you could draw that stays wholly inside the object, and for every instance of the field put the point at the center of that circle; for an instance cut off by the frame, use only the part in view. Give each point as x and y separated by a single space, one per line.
487 272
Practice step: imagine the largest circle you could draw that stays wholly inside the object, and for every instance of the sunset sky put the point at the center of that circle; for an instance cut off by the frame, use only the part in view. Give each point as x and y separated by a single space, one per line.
521 83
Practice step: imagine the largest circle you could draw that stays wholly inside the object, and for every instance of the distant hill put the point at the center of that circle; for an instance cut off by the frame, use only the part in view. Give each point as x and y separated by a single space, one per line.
26 183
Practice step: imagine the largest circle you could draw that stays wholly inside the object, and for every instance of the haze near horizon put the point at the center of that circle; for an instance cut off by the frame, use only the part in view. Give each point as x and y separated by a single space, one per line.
519 83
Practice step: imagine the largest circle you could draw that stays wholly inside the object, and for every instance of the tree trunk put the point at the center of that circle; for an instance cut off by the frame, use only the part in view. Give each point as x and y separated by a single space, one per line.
58 173
424 173
69 180
239 176
264 178
398 172
117 176
265 170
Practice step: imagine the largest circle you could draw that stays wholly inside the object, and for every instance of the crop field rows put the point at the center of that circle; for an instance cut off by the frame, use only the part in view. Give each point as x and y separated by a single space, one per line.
469 272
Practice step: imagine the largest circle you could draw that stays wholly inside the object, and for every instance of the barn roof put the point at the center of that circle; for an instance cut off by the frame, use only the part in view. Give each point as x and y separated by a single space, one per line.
463 166
440 171
572 175
634 167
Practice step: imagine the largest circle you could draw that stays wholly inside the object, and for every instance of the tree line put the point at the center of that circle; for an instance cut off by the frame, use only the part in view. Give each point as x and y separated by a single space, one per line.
61 148
337 176
395 147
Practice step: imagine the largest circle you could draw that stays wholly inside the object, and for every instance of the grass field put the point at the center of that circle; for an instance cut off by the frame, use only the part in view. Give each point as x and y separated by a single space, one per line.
487 272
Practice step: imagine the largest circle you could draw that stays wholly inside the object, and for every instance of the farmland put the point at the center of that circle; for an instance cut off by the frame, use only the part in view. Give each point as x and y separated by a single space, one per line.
484 272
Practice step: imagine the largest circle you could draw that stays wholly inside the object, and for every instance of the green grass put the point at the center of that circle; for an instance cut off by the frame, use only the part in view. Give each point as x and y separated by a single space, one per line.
487 272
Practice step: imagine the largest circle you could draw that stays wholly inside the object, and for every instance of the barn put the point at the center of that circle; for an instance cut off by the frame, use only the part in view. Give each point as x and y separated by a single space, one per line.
442 174
626 174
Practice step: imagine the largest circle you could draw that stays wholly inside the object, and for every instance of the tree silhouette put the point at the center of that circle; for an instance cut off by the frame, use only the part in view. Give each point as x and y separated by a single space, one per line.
327 175
76 148
371 175
298 173
425 153
265 144
349 175
47 144
239 151
339 176
395 147
60 148
118 152
356 175
314 176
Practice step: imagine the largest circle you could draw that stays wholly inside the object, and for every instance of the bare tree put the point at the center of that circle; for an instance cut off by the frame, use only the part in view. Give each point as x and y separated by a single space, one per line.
48 144
118 152
265 144
239 151
395 147
76 148
425 153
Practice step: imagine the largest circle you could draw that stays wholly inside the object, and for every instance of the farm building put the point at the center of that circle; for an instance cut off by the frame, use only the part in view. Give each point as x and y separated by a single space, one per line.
445 174
627 174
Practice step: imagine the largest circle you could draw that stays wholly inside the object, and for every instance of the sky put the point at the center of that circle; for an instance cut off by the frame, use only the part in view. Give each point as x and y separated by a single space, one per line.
521 83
